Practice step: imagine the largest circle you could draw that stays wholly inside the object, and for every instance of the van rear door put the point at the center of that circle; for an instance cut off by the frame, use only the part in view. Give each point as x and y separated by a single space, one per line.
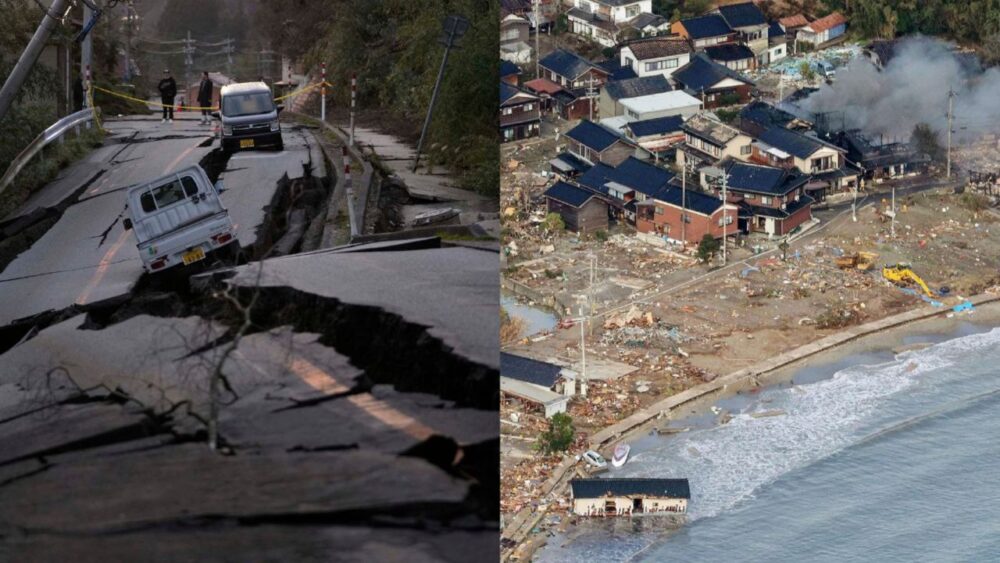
171 203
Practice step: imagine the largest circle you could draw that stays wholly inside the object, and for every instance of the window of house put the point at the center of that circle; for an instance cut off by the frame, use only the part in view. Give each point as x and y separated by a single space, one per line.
632 11
508 111
686 218
750 196
509 34
670 63
529 107
779 51
508 134
727 220
716 151
628 61
765 200
659 210
710 97
632 114
745 149
823 163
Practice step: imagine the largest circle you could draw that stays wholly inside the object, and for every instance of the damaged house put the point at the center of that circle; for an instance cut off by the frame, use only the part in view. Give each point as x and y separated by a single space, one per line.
581 210
657 56
708 140
715 84
520 114
571 81
613 92
659 136
880 161
685 215
823 162
617 497
772 200
603 20
544 385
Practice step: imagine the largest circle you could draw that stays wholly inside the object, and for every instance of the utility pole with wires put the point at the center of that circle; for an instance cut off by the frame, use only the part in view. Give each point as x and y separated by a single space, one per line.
538 31
454 28
684 219
583 356
951 97
725 214
188 59
590 95
55 15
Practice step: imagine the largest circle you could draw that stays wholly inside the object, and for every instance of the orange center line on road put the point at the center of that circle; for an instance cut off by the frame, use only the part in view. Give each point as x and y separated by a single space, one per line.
102 268
378 409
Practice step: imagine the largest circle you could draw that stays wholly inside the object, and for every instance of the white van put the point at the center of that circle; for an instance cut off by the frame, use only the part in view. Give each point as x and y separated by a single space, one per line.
249 117
179 219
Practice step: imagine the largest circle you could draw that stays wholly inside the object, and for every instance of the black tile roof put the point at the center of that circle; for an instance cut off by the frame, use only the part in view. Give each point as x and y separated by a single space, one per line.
656 126
528 370
702 73
599 488
792 142
508 68
729 52
566 63
507 92
695 199
596 177
635 87
641 176
757 178
742 15
616 71
646 19
593 136
791 208
569 194
578 164
712 25
775 30
765 114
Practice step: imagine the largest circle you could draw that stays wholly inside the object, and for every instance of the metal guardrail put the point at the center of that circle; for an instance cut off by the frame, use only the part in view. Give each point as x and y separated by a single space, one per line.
51 133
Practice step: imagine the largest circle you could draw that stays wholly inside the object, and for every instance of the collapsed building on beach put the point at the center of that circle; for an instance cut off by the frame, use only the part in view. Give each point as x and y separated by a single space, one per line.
625 497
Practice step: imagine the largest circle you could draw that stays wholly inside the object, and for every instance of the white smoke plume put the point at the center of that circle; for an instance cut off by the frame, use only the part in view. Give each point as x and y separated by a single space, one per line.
913 88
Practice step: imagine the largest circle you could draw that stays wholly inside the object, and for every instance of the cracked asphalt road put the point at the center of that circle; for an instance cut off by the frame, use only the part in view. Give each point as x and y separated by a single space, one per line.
359 413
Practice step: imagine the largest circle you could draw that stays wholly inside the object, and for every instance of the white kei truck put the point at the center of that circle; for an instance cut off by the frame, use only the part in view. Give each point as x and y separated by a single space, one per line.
179 219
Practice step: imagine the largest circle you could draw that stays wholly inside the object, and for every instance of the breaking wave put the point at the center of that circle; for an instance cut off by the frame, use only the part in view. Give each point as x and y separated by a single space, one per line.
728 464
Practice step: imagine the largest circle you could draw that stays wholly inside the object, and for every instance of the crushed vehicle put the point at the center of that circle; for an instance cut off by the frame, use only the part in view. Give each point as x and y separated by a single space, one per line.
178 219
249 117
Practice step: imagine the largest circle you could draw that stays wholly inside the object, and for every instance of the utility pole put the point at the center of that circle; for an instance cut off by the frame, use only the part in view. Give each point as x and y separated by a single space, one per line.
583 357
590 95
725 214
128 42
455 28
538 31
684 173
30 55
951 96
188 60
86 49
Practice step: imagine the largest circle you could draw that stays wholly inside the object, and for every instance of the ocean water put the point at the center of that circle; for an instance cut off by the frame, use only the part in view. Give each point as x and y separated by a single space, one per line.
892 461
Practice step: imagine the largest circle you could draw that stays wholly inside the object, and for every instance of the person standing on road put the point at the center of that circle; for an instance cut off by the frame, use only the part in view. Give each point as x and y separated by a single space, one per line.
168 89
205 96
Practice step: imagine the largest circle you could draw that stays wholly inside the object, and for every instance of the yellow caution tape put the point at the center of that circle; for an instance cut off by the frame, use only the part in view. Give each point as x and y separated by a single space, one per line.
199 108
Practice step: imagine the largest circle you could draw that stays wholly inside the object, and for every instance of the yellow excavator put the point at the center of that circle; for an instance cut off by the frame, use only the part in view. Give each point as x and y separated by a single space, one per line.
903 275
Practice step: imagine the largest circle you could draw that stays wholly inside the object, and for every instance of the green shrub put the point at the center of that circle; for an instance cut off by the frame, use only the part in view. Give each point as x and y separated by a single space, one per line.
559 437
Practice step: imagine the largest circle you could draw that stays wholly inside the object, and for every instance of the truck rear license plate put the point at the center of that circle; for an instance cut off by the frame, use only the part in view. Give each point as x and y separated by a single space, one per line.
193 255
246 143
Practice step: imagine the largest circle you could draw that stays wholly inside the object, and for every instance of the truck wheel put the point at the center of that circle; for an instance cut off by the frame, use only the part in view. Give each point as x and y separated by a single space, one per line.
280 145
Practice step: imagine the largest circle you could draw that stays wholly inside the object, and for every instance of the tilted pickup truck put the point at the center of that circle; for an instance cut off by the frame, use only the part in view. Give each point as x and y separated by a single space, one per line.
179 220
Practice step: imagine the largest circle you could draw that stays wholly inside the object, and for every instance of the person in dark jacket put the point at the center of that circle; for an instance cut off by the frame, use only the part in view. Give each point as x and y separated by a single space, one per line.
205 97
168 89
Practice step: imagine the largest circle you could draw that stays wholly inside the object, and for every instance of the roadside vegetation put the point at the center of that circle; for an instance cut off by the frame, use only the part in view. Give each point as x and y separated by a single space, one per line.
393 47
559 436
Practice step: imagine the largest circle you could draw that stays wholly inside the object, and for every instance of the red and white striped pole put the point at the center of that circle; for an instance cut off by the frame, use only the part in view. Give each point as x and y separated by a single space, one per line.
350 191
322 95
354 95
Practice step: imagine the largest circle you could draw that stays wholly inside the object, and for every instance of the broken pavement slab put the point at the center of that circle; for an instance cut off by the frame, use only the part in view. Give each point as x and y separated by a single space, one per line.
423 320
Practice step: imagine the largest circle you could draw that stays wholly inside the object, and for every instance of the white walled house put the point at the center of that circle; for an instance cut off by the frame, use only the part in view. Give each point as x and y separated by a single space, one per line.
656 56
665 104
625 497
602 20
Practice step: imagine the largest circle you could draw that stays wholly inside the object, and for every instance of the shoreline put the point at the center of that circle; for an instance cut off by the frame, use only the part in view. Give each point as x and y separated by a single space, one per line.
887 334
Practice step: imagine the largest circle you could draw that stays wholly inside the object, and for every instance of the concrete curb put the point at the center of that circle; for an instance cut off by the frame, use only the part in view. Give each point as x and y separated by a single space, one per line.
356 211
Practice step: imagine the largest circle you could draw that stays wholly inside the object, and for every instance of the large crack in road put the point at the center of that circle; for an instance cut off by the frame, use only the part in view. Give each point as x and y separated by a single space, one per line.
398 391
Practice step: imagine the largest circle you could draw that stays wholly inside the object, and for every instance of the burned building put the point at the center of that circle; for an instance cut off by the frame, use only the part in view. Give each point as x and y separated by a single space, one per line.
877 159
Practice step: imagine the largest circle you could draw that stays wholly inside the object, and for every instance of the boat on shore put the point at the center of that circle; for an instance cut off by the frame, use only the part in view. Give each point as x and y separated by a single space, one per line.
621 454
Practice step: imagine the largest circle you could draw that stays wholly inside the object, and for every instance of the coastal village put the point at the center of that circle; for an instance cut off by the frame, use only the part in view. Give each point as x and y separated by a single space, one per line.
681 208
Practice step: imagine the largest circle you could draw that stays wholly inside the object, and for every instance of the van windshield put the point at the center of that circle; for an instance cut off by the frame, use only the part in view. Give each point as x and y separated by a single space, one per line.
235 105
